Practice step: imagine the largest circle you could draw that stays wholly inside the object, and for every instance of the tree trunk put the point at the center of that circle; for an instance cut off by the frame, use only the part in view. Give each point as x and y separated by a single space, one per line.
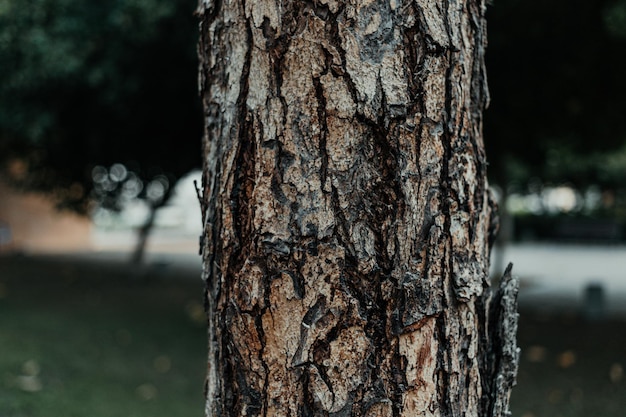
346 211
143 233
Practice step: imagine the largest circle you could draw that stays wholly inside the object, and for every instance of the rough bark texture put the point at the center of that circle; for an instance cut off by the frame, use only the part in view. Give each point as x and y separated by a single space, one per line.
347 214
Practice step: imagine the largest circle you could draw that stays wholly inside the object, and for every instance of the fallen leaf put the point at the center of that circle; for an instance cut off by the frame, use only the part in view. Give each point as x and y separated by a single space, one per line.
536 353
566 359
147 392
29 383
616 373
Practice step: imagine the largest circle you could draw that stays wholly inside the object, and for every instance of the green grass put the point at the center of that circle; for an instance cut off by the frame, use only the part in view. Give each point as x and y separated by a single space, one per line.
81 342
570 367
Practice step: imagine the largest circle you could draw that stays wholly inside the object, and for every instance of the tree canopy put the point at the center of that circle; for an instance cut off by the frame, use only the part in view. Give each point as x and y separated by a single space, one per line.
556 74
92 84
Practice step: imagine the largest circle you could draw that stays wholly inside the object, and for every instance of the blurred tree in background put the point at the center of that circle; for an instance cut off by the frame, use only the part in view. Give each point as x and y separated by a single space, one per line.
97 100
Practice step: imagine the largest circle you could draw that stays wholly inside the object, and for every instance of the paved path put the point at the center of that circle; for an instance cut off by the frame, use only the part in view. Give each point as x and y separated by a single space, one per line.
555 276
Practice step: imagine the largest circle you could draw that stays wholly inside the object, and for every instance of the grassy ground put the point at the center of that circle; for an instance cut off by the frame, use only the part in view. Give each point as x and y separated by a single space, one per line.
570 367
82 341
85 339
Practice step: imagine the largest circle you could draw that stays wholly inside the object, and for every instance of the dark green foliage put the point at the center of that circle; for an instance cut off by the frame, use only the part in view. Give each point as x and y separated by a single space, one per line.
94 83
556 75
615 18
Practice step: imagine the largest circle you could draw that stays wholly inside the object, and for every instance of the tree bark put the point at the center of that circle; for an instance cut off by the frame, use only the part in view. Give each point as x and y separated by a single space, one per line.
347 213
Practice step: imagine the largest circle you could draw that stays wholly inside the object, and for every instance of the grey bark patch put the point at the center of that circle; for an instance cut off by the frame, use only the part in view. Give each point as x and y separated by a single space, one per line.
375 31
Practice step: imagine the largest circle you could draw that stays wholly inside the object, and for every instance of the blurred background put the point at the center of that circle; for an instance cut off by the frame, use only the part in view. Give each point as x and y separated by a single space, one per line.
100 126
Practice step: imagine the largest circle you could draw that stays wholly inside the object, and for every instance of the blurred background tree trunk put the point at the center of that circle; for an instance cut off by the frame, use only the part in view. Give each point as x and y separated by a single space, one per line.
347 214
144 231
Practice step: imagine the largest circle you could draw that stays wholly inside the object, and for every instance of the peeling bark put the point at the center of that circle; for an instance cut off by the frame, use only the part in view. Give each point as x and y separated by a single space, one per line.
347 212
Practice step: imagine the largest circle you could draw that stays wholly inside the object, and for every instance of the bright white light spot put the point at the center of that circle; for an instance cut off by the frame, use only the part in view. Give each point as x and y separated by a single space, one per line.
593 198
157 188
562 199
533 203
99 174
132 186
515 204
108 185
118 172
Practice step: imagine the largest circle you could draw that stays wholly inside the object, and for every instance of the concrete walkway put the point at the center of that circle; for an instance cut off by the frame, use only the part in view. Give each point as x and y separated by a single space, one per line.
556 277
